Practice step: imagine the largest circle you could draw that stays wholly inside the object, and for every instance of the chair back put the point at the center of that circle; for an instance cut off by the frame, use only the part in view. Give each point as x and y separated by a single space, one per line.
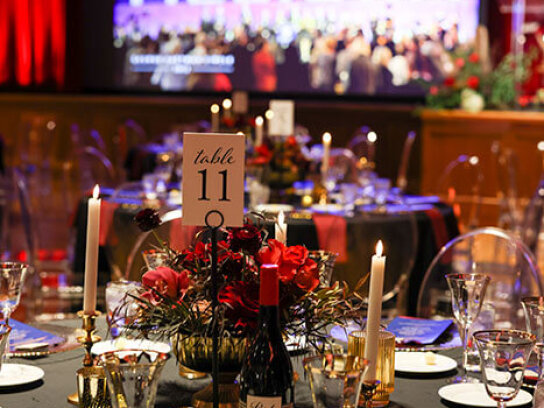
343 165
362 144
460 186
402 175
506 163
496 253
171 230
94 168
18 233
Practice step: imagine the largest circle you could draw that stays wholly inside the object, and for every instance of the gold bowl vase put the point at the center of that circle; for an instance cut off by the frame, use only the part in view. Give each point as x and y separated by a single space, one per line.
195 353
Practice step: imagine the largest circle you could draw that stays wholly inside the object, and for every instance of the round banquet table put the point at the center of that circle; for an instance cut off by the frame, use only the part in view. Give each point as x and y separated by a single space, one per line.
60 381
412 236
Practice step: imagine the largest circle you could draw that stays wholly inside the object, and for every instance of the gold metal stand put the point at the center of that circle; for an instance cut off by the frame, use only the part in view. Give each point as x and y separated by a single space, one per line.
368 390
89 326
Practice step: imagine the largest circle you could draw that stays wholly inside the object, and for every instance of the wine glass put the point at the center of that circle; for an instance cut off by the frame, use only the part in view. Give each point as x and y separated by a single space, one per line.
12 277
503 357
533 308
467 295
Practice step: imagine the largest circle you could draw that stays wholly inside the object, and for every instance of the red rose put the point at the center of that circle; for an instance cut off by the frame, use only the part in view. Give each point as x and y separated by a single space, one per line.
232 265
460 62
242 303
167 282
292 258
248 238
307 277
474 58
524 100
270 254
433 90
473 82
449 81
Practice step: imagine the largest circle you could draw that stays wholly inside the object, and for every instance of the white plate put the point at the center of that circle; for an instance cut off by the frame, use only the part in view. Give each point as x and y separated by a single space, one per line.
122 343
274 208
414 362
475 395
12 375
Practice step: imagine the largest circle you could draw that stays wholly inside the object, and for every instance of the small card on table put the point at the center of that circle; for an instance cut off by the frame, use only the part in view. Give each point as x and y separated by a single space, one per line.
213 179
420 331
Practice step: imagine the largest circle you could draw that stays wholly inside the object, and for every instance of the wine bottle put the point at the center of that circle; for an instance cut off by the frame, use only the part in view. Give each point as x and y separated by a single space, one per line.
266 379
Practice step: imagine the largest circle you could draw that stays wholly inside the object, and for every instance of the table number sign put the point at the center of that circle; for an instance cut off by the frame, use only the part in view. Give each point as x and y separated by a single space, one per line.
240 102
282 122
213 178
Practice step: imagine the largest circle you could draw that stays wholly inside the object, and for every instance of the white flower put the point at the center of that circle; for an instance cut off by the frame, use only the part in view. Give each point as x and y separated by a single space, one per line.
471 100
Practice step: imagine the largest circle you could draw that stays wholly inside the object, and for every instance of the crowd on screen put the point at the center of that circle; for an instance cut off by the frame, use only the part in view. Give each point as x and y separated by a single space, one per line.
346 61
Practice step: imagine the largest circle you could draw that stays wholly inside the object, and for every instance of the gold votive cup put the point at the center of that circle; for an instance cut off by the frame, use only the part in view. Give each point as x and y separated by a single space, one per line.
92 388
385 366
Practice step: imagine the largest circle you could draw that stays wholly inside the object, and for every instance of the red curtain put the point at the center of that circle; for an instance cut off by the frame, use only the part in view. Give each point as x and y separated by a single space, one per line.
32 42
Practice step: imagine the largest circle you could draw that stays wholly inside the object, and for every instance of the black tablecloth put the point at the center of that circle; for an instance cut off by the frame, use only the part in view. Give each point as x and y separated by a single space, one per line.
174 392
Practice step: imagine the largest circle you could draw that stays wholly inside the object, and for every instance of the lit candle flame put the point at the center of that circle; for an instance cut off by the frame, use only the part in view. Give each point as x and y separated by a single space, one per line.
214 108
96 191
269 114
379 248
327 137
259 121
372 137
227 103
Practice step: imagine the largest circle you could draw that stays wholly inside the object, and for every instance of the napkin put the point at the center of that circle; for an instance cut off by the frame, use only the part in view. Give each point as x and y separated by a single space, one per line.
419 331
332 234
24 334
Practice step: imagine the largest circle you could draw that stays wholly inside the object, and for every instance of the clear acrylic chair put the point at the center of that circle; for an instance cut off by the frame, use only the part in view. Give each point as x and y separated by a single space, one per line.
362 144
402 175
171 230
342 166
506 163
94 168
491 251
460 186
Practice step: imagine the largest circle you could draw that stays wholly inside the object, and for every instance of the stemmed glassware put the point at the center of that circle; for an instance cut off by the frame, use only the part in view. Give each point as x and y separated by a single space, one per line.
467 296
133 376
533 307
503 358
12 278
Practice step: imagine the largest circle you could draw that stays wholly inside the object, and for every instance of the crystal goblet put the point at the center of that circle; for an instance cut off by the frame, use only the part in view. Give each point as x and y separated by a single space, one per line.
133 376
503 357
12 277
335 380
533 308
467 295
121 307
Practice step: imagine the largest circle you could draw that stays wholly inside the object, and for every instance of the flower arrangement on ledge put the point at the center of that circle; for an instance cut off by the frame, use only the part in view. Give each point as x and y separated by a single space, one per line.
471 88
177 297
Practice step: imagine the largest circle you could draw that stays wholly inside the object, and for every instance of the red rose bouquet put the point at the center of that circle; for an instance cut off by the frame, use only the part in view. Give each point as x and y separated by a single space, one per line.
177 296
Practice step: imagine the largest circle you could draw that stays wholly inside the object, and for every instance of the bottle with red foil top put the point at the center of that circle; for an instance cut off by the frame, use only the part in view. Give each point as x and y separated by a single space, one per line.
266 380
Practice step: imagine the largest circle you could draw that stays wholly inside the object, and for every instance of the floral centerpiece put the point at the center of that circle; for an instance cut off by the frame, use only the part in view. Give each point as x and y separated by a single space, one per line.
471 87
176 302
281 160
177 297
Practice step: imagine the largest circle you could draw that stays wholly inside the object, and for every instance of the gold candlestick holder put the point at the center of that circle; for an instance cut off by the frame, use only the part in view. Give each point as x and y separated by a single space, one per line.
91 379
368 390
